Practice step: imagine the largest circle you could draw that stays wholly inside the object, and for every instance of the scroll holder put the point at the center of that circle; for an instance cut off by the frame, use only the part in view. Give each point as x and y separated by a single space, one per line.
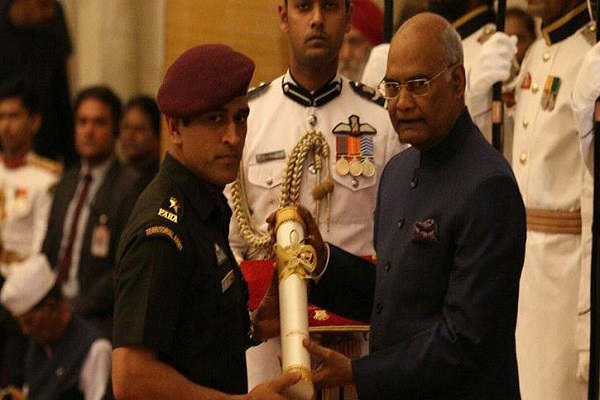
295 263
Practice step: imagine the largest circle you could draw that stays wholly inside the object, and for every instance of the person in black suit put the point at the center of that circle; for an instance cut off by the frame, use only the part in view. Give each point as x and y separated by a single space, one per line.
91 205
449 235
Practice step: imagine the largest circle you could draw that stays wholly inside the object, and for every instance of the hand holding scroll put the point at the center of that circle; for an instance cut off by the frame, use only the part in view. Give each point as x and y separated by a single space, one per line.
333 368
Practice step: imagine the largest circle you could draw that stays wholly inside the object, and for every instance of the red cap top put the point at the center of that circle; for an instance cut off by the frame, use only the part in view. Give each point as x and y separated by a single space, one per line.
367 18
202 79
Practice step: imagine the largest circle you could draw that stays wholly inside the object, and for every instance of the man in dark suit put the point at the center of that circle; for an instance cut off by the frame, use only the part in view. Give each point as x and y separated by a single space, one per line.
91 205
449 235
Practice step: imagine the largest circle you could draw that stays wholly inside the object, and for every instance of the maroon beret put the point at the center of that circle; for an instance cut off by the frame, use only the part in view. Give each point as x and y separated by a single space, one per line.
202 79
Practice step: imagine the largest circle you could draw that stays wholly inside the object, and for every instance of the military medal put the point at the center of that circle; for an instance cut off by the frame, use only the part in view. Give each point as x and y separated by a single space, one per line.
546 93
553 92
551 88
356 167
366 150
368 168
342 166
101 238
354 140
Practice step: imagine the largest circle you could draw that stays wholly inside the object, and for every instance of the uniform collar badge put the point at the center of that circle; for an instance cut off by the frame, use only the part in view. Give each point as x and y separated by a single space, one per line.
319 97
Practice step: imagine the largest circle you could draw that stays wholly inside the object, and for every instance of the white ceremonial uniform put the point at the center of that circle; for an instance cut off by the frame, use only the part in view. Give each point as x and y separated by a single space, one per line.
275 125
557 192
475 28
281 114
27 196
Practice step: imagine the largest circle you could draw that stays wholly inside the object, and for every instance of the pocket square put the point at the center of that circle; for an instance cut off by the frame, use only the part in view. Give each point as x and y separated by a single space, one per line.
425 231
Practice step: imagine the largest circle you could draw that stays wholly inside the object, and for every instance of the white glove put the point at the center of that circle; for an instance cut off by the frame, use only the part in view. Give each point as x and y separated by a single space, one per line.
493 64
583 366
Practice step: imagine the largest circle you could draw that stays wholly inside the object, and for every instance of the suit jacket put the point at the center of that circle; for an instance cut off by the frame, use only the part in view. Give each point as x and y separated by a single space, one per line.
114 199
450 238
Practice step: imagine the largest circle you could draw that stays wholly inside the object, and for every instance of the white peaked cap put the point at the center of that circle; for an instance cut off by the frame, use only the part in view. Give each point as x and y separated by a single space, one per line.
27 284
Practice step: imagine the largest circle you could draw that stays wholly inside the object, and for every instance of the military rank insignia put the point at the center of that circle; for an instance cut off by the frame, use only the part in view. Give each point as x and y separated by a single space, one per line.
550 92
171 210
354 147
220 253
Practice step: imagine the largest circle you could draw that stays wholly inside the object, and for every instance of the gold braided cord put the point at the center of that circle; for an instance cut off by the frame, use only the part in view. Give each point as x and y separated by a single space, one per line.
312 142
253 236
297 258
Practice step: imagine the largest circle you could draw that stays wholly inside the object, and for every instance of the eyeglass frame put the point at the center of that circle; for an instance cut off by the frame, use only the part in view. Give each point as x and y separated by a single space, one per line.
426 81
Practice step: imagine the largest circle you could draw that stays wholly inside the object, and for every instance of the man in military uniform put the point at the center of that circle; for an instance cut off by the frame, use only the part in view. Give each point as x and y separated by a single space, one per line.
26 181
181 319
552 331
312 105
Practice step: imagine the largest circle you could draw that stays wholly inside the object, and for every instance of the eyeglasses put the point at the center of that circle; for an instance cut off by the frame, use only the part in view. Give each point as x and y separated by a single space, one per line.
389 90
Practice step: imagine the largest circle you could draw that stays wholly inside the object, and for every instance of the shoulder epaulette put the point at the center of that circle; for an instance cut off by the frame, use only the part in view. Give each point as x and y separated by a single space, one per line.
257 91
487 33
367 92
589 33
46 163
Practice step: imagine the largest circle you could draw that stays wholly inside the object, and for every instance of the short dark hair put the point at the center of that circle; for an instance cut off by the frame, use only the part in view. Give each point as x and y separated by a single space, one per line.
149 107
105 95
525 17
347 4
21 86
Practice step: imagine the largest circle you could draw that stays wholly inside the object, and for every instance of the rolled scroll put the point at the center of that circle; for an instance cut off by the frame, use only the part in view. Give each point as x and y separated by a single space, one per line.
295 262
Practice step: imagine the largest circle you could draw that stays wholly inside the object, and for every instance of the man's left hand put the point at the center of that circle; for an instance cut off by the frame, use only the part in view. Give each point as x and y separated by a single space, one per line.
333 368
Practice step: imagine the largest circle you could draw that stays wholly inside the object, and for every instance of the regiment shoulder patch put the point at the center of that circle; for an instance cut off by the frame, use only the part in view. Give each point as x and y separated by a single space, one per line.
163 231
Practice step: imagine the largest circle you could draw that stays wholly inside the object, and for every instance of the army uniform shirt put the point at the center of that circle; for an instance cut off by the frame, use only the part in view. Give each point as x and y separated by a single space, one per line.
26 197
179 291
555 185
